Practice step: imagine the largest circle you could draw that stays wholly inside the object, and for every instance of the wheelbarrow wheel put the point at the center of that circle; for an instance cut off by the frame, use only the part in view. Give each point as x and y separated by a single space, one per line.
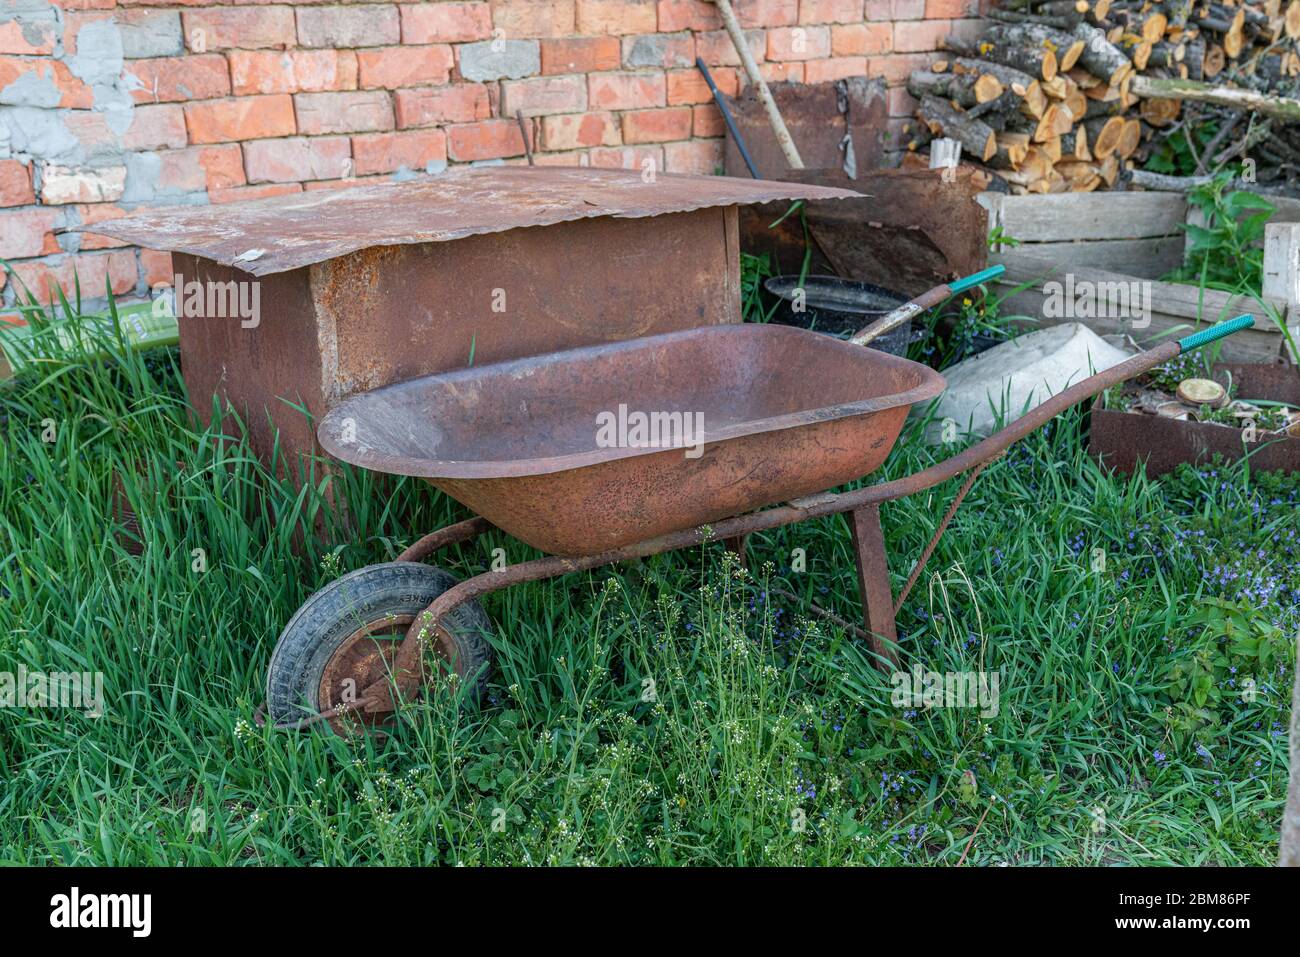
346 636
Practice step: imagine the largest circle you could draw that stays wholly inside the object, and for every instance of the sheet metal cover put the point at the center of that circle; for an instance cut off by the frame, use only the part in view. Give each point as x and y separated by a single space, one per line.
286 232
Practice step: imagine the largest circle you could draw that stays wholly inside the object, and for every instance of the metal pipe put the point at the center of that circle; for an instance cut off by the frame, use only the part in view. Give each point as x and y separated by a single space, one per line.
726 118
783 138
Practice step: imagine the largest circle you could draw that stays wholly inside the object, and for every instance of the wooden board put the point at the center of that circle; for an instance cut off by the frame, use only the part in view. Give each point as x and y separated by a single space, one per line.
1144 258
1082 216
1176 308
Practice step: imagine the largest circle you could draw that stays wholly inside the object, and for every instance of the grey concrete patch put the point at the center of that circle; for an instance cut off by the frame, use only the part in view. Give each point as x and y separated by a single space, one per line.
37 133
500 59
649 51
157 33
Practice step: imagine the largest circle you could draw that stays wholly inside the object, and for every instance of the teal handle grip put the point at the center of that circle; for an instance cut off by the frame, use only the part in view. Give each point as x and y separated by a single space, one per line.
975 279
1198 339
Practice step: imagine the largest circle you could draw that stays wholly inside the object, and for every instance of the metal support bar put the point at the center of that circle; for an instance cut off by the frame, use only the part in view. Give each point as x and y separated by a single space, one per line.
873 584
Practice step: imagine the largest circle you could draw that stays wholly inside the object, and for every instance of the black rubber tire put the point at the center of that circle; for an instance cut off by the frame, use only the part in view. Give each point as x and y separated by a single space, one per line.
327 618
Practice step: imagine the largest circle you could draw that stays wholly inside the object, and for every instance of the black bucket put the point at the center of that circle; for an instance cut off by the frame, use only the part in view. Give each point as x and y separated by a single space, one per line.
839 307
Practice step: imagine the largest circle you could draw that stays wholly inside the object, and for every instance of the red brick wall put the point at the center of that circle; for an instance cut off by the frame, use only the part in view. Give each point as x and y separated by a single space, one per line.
109 104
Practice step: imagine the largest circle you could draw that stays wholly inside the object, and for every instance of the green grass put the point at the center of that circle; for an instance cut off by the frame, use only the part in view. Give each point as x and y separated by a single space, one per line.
661 712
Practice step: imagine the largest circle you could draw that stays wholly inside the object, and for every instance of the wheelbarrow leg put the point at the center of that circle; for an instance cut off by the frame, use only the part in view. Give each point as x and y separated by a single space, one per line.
737 545
873 583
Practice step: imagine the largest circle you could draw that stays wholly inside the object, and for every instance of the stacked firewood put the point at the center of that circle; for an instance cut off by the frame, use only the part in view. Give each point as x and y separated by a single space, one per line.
1072 95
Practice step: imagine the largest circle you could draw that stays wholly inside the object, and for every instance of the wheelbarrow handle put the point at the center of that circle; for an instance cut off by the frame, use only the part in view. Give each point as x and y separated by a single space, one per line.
997 443
927 300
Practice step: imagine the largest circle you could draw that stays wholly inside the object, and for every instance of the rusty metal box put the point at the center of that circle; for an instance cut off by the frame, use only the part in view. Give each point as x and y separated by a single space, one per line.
361 287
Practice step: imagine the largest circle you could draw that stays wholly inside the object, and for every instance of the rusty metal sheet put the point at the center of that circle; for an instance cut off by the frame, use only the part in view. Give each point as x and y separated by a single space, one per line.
274 235
817 124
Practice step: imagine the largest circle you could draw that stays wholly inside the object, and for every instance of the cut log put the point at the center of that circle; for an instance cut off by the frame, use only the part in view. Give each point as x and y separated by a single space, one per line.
1104 135
976 137
1056 120
965 89
1282 107
1159 111
1291 21
1130 138
1101 57
1075 144
1039 63
1065 46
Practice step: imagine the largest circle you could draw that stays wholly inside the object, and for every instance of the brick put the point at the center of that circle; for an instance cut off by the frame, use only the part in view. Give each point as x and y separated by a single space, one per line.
488 139
878 10
28 232
580 55
322 184
544 94
92 131
238 28
157 267
791 72
835 68
901 103
459 103
617 17
659 50
499 60
155 128
951 9
643 158
626 91
716 49
142 32
567 158
359 112
197 168
907 9
968 31
244 118
29 38
446 22
694 15
798 43
363 25
172 79
688 86
56 84
862 39
830 11
531 19
94 213
421 150
580 130
706 120
392 67
297 158
919 36
767 13
15 184
703 157
61 185
92 271
657 126
238 194
292 71
897 67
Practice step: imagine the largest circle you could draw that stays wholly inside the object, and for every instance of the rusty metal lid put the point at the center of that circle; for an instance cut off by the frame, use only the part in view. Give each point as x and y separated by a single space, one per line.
287 232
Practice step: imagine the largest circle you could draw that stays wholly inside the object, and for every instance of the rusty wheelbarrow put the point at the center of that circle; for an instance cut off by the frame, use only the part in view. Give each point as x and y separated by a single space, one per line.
613 452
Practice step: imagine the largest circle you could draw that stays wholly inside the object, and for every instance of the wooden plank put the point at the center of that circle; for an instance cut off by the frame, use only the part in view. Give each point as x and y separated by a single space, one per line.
1282 272
1027 308
1144 258
1172 304
1107 215
1288 209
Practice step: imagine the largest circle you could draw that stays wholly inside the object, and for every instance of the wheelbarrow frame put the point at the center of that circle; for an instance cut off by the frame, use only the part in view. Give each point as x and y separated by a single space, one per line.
862 506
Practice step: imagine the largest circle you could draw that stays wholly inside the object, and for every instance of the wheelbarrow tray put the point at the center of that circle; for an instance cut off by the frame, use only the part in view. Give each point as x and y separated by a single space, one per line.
785 413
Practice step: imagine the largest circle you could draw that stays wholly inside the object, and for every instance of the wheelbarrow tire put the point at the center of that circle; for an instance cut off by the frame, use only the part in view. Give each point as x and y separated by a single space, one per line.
374 596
